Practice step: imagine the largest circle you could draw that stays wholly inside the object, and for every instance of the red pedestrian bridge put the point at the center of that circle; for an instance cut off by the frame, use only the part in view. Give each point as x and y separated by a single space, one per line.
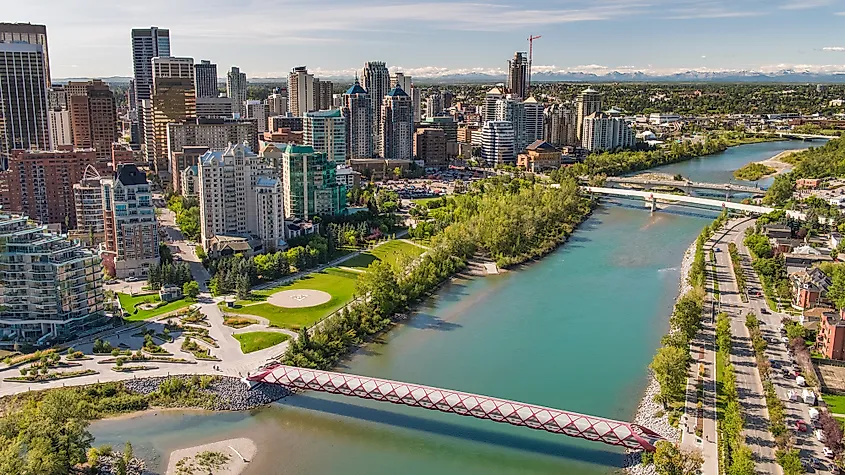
631 436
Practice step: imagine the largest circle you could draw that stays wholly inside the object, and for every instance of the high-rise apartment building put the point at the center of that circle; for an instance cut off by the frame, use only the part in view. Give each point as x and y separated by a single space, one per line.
205 73
278 103
403 81
376 81
559 126
256 111
270 212
512 109
518 75
533 121
40 184
301 89
28 33
445 123
52 287
129 222
358 111
586 103
430 147
603 132
492 96
236 89
326 92
147 43
88 199
310 184
397 126
325 132
434 104
226 188
93 114
416 98
23 99
498 143
174 100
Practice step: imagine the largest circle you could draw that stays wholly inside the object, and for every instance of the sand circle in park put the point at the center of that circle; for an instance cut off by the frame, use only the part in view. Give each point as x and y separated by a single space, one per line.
300 298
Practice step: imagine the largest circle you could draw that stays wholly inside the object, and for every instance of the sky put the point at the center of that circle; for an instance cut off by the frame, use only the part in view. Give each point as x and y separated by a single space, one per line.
91 38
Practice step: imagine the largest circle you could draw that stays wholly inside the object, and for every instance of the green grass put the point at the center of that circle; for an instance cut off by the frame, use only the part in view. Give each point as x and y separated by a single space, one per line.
255 341
721 399
836 404
129 302
391 252
420 201
337 282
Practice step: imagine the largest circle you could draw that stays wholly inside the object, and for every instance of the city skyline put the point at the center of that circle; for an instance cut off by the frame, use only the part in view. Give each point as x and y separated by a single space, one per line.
337 38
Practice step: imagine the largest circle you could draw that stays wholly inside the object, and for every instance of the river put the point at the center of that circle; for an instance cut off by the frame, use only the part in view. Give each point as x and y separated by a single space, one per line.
573 331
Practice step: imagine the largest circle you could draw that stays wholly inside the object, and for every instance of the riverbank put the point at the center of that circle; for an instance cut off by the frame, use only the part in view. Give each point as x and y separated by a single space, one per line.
777 162
230 457
649 413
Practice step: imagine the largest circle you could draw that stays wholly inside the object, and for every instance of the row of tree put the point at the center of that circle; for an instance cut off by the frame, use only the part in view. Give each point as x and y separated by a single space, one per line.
169 274
187 210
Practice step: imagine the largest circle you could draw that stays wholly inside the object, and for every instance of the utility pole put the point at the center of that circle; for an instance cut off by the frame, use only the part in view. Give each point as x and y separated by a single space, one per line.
530 59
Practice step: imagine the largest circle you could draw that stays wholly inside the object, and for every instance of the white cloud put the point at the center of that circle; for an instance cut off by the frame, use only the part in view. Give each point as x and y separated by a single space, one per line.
837 49
805 4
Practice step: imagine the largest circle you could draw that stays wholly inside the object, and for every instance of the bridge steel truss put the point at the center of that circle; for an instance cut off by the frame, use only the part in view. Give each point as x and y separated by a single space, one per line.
631 436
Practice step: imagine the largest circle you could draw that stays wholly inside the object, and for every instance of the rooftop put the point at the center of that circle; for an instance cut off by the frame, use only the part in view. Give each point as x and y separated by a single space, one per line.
128 174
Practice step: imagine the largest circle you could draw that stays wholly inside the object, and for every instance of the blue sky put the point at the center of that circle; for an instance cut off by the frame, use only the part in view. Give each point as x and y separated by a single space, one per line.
267 38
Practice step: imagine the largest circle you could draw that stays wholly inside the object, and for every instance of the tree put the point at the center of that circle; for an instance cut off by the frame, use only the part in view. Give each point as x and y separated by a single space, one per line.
378 285
191 289
669 459
165 254
670 369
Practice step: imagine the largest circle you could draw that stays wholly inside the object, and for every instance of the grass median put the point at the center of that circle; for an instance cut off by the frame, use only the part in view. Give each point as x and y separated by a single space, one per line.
256 341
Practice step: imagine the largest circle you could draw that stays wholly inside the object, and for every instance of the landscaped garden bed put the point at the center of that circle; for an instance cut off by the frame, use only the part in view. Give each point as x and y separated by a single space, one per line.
43 378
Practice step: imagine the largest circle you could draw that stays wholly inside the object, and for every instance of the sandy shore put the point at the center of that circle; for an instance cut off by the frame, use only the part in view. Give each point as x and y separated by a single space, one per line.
240 452
776 163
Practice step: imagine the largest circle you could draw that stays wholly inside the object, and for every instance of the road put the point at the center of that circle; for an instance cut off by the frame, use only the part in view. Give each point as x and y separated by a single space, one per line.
749 384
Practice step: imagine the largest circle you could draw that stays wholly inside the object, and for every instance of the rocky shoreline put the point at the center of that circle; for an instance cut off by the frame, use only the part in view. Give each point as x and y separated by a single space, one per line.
231 393
649 413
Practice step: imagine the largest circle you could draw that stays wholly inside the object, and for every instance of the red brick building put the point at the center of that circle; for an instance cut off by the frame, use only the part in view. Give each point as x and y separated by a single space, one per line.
831 338
40 184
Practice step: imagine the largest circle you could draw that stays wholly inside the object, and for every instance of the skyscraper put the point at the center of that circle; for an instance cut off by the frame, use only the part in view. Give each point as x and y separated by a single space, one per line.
497 143
88 198
206 78
358 111
174 99
518 75
376 81
147 43
397 126
93 115
129 222
278 103
586 103
416 98
23 92
403 80
256 111
325 131
559 125
28 33
301 91
236 89
512 109
434 104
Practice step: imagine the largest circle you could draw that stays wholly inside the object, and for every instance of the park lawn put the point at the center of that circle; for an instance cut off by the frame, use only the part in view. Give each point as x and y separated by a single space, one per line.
391 252
836 404
337 282
128 303
421 201
255 341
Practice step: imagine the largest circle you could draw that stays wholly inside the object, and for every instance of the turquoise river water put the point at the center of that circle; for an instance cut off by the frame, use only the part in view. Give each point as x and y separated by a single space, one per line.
573 331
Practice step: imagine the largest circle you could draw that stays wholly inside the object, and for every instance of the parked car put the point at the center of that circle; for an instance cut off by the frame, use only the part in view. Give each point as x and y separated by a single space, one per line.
800 426
132 279
765 310
827 452
785 340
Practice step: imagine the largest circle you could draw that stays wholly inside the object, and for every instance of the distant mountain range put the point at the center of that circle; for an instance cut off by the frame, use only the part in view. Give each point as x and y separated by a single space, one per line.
782 76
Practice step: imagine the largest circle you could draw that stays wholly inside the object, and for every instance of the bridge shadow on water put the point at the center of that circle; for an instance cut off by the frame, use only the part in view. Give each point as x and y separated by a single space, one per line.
672 209
595 454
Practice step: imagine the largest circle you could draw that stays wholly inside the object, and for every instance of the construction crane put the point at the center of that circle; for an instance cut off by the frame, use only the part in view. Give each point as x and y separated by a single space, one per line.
530 59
